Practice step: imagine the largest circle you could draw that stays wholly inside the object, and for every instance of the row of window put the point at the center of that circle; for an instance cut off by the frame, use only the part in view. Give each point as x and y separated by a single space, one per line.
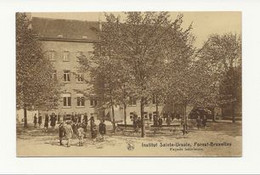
80 102
51 55
67 76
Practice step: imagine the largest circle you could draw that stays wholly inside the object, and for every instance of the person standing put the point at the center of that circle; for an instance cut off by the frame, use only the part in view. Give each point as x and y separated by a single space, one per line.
53 120
198 120
40 120
35 120
73 117
93 128
155 120
102 128
68 132
168 120
46 122
58 118
61 132
81 134
135 123
79 118
160 121
85 122
204 121
64 117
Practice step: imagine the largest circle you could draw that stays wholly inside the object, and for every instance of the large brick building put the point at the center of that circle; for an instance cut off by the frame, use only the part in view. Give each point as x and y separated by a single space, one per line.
63 42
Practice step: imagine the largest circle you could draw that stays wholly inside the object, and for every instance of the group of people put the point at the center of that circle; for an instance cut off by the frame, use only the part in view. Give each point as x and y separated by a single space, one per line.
69 129
71 126
168 118
157 120
48 120
201 121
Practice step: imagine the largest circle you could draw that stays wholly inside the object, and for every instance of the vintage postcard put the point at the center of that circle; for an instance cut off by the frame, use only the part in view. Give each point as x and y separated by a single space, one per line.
129 84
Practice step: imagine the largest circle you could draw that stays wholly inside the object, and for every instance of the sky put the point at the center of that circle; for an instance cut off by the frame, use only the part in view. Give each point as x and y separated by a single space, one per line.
204 23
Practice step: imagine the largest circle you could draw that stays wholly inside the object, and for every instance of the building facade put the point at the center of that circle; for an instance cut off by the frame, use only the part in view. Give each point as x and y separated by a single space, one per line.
63 41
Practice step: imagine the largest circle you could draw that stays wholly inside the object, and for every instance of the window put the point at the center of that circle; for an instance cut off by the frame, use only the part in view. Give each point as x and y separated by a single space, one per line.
51 55
80 100
66 56
93 102
66 100
145 115
132 101
80 77
66 75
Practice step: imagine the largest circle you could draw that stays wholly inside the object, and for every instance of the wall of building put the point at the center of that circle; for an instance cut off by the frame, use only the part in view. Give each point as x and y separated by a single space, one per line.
73 49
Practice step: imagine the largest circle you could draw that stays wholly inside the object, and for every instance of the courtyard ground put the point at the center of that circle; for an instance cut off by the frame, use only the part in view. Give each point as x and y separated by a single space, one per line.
221 138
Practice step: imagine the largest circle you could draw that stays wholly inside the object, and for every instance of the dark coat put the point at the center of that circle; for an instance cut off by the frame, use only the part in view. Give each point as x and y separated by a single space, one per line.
61 131
46 121
40 120
102 128
53 120
160 121
34 119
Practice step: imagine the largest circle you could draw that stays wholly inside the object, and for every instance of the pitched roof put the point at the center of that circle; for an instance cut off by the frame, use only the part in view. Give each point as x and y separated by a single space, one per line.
64 28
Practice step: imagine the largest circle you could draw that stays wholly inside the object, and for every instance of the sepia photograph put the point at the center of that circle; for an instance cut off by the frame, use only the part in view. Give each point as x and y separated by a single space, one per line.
133 83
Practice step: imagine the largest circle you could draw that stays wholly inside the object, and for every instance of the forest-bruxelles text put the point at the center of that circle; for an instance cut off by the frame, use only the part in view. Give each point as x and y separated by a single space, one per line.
186 144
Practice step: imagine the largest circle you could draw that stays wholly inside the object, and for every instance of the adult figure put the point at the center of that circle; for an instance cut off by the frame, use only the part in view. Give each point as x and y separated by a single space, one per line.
53 120
74 126
85 122
68 132
155 120
64 116
160 121
46 122
204 121
79 118
61 132
135 123
35 120
168 120
40 120
102 128
198 120
73 117
93 128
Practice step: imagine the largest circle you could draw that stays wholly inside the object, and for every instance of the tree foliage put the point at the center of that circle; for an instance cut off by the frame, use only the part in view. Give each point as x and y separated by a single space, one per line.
35 87
223 55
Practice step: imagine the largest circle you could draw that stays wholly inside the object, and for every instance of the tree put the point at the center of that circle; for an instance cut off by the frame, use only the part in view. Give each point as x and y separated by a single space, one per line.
35 86
223 55
135 51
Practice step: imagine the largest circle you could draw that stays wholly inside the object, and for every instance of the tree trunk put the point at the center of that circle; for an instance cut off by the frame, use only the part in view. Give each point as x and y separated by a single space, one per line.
142 118
185 120
113 119
233 113
156 108
213 114
125 114
25 117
